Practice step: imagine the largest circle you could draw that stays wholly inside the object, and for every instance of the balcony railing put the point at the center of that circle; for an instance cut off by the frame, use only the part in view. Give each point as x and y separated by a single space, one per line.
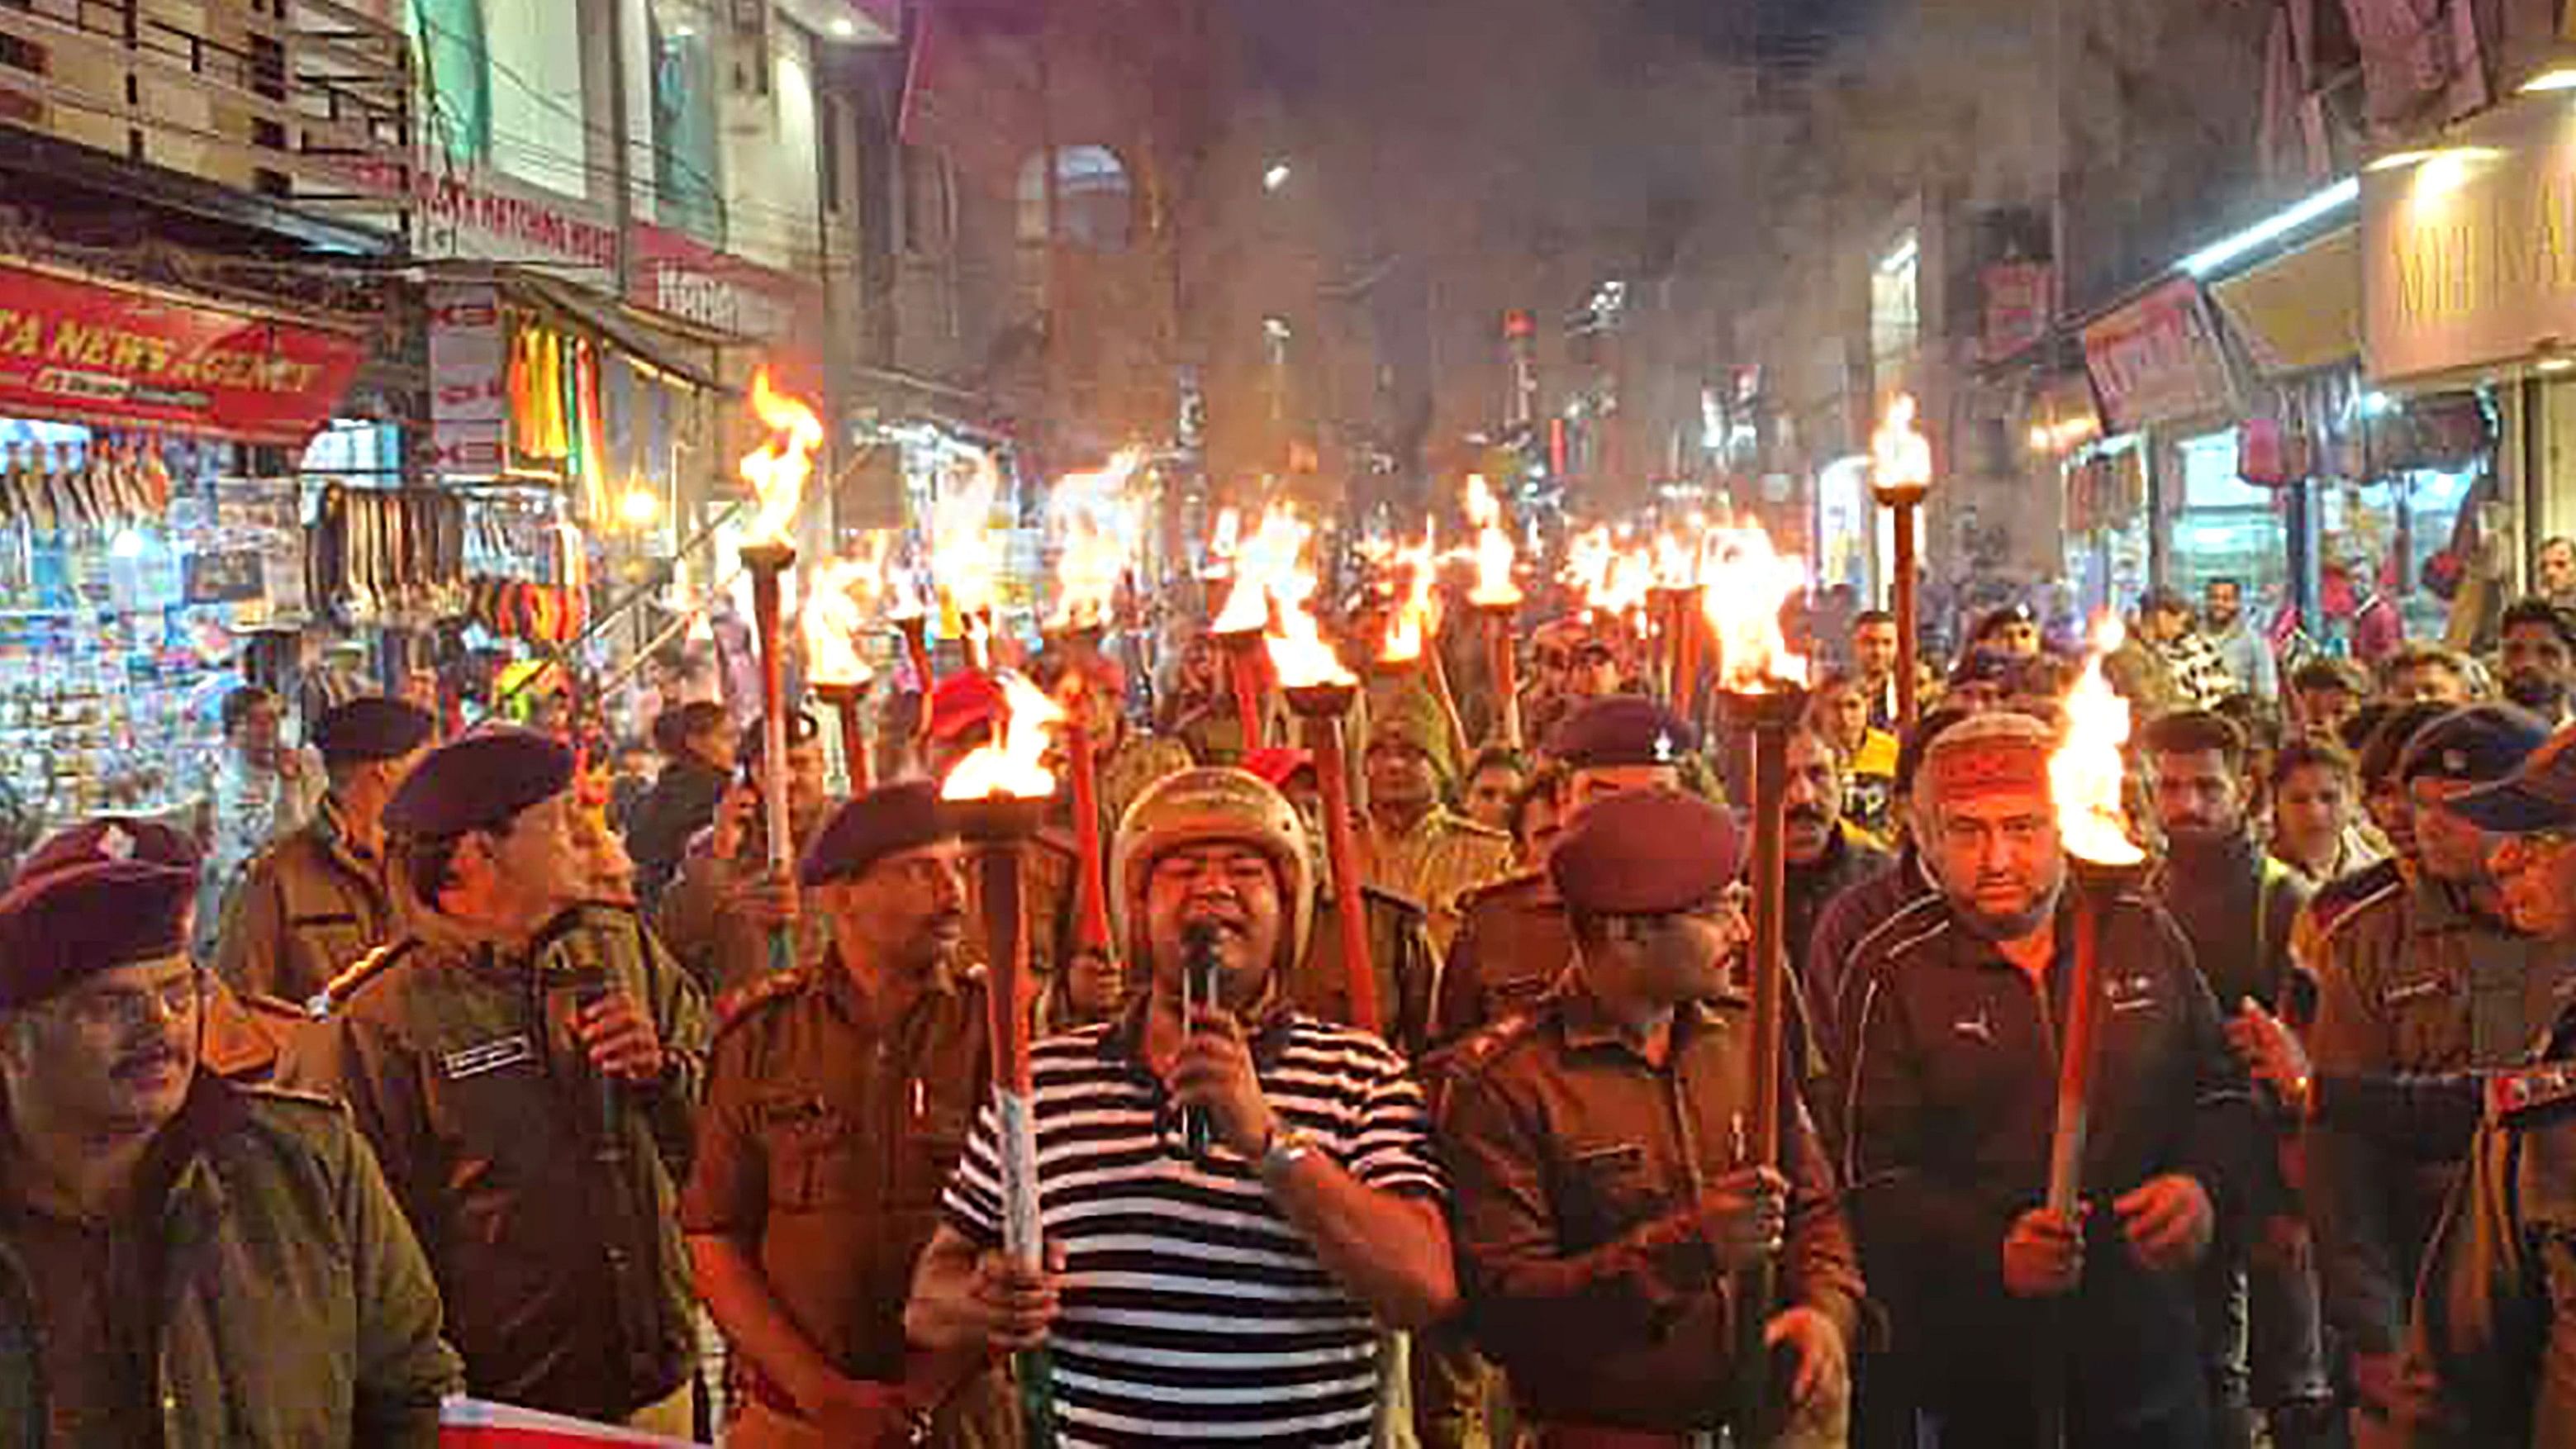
306 101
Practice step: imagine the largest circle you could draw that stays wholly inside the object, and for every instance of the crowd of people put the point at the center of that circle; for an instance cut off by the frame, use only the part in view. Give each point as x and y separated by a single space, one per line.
508 1066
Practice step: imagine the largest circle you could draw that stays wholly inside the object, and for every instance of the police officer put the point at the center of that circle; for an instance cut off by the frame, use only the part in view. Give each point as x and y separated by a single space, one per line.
2424 978
521 1117
184 1262
2493 1342
316 901
838 1099
2001 1306
1512 940
1594 1145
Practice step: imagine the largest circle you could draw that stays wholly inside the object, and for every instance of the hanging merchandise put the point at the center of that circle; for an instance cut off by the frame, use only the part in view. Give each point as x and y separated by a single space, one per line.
595 465
390 557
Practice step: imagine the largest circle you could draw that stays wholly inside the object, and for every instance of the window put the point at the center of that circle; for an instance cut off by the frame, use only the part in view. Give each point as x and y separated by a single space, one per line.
1093 199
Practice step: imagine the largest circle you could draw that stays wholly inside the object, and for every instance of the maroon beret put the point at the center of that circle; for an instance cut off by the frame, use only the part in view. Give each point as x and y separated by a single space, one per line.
105 839
479 782
371 727
67 922
1622 729
880 823
1645 853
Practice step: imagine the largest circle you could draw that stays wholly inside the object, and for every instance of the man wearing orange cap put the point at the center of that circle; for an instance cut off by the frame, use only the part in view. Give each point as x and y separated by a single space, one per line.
2001 1306
183 1262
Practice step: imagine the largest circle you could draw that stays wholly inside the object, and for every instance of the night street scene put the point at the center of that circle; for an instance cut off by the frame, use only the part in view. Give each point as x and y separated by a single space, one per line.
1229 724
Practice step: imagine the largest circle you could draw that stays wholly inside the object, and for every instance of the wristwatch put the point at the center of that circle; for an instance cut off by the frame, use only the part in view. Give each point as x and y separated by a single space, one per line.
1284 1150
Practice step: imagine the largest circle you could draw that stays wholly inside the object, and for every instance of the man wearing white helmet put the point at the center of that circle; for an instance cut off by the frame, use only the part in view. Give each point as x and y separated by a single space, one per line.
1237 1293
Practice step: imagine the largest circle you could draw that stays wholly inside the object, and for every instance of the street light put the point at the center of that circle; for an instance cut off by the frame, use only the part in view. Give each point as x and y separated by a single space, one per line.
1277 176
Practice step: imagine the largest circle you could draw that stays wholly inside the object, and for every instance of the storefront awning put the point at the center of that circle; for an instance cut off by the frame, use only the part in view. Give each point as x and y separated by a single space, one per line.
687 355
90 351
2302 311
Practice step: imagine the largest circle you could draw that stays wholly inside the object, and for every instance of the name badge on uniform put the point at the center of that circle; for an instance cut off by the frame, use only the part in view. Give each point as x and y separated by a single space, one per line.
2130 993
490 1056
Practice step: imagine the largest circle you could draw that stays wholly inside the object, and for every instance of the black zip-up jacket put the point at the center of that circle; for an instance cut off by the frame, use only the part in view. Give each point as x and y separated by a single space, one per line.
1950 1101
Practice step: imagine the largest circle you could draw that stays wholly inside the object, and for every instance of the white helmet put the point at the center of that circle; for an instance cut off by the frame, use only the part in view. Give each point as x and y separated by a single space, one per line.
1212 804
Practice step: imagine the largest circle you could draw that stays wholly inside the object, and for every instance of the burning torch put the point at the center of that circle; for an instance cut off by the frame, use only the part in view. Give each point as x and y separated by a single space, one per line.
776 471
1001 793
967 560
1413 633
1900 477
1321 692
1265 558
1496 599
1099 522
1763 689
2084 779
832 621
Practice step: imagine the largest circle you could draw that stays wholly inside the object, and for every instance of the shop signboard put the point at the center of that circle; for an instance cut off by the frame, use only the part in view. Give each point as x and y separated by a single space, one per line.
678 275
2469 251
91 352
469 400
2017 303
2157 359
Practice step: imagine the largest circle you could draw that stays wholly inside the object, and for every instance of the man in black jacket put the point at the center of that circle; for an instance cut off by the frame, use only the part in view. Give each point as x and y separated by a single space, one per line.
2262 1328
697 745
2001 1307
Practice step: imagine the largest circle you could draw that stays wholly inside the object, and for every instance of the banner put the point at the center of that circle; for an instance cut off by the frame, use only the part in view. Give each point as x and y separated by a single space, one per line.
84 351
2157 359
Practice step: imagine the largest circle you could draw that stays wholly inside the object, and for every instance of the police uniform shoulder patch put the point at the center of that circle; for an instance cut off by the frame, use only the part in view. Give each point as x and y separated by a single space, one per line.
2517 1095
290 1096
747 1000
1481 1049
369 968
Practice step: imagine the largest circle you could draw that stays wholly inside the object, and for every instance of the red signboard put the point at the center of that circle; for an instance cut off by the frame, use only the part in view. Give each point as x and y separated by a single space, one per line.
85 351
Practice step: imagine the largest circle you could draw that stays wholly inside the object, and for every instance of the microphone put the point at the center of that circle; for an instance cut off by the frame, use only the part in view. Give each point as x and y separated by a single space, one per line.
1199 970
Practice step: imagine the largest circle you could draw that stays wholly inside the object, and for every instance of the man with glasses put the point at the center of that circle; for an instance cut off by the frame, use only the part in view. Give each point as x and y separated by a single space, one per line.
187 1263
1244 1286
1595 1144
2002 1307
526 1115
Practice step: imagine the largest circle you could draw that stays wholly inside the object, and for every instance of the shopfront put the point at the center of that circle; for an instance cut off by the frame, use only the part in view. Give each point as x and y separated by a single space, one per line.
151 539
2469 289
2147 492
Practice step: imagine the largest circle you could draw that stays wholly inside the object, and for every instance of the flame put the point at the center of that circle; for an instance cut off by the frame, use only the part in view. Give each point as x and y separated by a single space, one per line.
1900 456
1224 539
1675 566
962 547
1100 523
1609 579
1263 561
1415 619
1744 585
836 613
1014 764
903 593
1494 553
2086 772
1297 647
777 469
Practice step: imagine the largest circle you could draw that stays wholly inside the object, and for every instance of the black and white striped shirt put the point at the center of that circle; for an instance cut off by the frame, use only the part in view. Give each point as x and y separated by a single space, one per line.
1191 1310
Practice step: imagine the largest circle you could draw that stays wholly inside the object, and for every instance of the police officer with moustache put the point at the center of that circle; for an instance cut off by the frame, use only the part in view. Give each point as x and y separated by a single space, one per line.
521 1116
838 1100
2492 1345
2424 979
1954 1008
1594 1146
316 901
1512 940
184 1262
